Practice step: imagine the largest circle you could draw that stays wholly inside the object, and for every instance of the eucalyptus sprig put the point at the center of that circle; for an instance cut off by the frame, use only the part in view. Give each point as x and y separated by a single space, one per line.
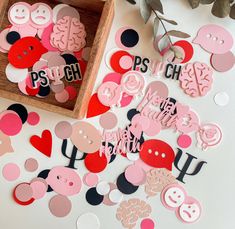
220 8
149 7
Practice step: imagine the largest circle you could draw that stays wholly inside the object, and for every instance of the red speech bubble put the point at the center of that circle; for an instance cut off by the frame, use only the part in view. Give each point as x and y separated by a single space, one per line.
158 154
26 52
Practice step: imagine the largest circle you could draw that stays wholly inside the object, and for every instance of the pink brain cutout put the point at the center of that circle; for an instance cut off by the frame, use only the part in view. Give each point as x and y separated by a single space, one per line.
68 34
196 79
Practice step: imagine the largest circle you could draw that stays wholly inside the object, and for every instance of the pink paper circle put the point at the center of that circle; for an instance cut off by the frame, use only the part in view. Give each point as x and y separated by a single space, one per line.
126 62
184 141
60 206
24 192
63 130
147 224
11 172
108 120
223 62
33 118
31 165
62 97
39 189
57 88
10 123
135 175
91 179
153 129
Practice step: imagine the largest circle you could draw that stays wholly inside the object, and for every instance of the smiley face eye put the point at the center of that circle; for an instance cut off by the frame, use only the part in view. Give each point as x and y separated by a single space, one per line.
189 206
194 211
179 196
17 10
23 11
44 11
37 11
174 192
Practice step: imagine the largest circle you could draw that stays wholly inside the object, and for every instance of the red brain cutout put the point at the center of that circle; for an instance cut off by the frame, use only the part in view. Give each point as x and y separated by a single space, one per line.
196 79
68 34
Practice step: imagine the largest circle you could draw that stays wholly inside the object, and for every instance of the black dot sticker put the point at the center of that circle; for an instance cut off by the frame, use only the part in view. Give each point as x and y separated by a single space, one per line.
93 197
44 91
125 186
12 37
70 59
129 38
44 174
20 110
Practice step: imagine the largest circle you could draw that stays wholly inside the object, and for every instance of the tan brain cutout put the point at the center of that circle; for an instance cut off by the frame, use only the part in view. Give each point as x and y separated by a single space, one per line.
68 34
130 211
196 79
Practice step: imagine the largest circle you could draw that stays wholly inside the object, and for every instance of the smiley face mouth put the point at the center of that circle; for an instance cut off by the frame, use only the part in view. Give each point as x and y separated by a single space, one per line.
20 17
40 17
172 200
187 213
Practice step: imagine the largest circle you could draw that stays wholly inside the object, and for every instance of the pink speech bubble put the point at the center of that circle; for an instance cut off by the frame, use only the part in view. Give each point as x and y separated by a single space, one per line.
214 39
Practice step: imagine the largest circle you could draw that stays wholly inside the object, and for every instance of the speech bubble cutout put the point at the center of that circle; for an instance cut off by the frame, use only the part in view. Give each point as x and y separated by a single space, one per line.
214 39
64 181
158 154
26 52
5 144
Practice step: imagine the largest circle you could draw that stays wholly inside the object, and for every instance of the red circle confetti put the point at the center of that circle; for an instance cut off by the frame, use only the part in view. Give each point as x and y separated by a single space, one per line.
95 162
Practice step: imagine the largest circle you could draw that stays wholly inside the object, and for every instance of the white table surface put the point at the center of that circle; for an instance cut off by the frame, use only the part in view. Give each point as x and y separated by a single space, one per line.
214 186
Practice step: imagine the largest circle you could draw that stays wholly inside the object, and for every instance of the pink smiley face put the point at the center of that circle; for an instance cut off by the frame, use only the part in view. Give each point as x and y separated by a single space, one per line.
41 15
19 14
189 211
64 181
173 196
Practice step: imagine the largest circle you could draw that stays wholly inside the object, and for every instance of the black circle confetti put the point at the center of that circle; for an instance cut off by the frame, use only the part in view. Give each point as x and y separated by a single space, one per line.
129 38
70 59
44 174
12 37
20 110
125 186
93 197
44 91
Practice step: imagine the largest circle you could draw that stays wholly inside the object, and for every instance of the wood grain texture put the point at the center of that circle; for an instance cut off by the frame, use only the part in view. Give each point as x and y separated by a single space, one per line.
91 21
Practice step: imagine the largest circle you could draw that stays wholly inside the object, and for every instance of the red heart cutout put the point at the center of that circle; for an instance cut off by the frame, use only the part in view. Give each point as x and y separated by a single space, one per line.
44 143
95 107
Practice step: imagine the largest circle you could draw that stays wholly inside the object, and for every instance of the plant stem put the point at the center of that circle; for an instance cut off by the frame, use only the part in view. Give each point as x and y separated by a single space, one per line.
164 27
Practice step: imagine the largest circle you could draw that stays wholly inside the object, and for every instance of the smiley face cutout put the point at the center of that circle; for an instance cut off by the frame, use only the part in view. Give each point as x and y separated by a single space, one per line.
19 14
173 196
189 211
41 15
86 137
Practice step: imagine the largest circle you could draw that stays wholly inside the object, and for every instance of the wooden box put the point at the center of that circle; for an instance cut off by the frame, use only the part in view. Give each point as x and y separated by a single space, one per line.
97 16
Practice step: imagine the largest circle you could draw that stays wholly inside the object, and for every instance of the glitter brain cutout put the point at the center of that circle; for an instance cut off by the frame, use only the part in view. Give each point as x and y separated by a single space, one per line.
68 34
130 211
196 79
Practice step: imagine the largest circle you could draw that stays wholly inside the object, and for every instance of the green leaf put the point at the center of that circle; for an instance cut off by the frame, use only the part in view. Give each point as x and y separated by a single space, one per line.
221 8
145 10
194 3
156 5
176 33
155 26
232 12
133 2
206 1
169 21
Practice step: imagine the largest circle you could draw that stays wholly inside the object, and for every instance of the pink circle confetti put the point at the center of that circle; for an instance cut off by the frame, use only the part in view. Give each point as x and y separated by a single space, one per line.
39 189
10 123
63 130
223 62
62 97
31 165
108 120
72 92
147 224
60 206
11 172
33 118
135 175
126 62
184 141
24 192
91 179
